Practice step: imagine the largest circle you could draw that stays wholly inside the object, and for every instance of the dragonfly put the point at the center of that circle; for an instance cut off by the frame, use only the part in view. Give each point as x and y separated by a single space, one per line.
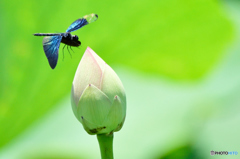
51 41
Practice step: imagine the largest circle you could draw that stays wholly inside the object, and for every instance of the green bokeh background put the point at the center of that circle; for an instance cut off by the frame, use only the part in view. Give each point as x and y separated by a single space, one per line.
173 51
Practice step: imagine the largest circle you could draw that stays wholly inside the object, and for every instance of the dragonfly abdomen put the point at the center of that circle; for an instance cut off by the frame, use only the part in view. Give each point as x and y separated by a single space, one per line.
46 34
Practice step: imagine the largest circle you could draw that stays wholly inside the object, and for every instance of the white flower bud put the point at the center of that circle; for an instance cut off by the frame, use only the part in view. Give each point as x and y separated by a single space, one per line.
98 96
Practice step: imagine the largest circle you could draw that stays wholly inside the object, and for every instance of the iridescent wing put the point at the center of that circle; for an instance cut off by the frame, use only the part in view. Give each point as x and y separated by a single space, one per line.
82 21
51 46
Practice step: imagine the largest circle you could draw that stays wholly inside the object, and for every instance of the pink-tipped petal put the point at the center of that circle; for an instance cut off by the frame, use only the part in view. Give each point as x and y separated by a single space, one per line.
89 71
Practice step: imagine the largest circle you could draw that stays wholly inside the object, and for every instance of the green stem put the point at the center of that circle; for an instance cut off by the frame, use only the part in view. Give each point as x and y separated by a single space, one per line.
106 145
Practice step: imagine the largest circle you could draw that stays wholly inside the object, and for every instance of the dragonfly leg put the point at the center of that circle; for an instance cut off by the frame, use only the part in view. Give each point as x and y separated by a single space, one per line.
71 49
63 51
69 52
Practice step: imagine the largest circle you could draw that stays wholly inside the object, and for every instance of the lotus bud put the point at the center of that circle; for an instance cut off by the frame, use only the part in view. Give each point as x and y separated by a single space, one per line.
97 96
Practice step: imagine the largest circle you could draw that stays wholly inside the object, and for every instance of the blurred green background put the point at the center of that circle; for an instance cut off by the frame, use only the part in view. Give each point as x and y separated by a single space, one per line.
179 62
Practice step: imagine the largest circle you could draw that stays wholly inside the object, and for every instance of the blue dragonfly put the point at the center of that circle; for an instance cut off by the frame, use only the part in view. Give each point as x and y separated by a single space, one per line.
52 41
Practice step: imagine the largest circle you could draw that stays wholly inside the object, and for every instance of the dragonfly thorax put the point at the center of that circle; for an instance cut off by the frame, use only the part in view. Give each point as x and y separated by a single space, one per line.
71 40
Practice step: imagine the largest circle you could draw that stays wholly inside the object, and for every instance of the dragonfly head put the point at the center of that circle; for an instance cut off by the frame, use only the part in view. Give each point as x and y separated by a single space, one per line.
75 39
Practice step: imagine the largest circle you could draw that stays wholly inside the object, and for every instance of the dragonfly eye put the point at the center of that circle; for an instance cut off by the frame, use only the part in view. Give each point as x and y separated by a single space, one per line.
68 35
75 37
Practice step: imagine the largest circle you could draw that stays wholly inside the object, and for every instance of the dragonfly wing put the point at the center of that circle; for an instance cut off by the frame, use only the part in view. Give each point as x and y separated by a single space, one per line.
51 46
82 21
